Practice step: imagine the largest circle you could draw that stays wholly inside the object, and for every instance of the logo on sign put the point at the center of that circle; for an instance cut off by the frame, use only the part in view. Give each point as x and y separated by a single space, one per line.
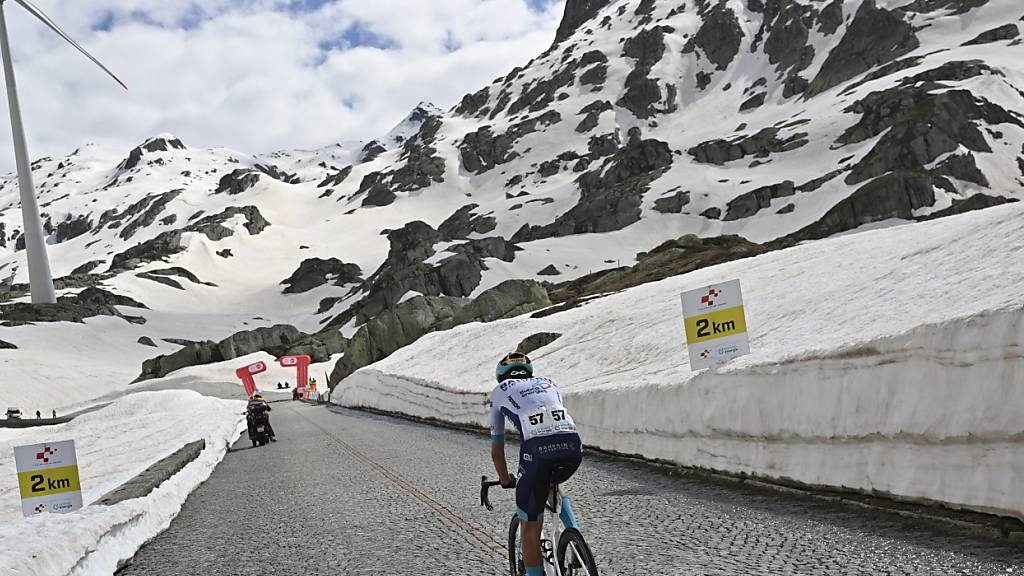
257 368
44 456
289 362
709 298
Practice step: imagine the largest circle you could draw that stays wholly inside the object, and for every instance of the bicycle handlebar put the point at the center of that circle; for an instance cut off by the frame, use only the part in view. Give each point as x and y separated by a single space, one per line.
485 487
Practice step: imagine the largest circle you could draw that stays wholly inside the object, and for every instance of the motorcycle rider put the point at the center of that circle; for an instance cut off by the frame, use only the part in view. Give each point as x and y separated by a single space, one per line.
551 449
258 406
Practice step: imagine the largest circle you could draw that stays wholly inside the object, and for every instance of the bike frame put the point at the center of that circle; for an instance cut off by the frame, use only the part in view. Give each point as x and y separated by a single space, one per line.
553 522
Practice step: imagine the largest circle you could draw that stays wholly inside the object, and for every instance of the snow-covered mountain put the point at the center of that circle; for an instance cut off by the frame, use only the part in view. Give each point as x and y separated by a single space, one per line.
780 121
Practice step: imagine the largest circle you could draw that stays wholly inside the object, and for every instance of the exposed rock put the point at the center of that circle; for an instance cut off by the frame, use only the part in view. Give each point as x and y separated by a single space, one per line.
71 227
962 167
4 345
787 26
1004 32
370 152
92 302
463 223
481 151
472 104
395 328
535 342
875 36
713 213
146 341
153 145
956 6
673 204
549 270
156 205
592 116
642 92
86 268
506 300
161 280
755 101
671 258
794 86
278 174
610 196
576 13
169 243
238 181
225 253
919 127
895 195
750 203
314 272
537 95
337 178
831 18
787 209
978 201
760 145
161 275
719 37
98 296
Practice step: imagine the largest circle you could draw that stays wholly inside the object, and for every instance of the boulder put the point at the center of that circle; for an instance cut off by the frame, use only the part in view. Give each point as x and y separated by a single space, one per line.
750 203
314 272
977 201
393 329
506 300
146 341
672 204
537 341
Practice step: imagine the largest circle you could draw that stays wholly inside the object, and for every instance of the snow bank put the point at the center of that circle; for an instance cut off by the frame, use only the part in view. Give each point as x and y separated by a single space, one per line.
114 445
889 361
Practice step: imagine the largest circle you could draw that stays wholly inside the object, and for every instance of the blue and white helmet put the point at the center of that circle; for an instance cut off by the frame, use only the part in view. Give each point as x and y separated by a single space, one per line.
515 365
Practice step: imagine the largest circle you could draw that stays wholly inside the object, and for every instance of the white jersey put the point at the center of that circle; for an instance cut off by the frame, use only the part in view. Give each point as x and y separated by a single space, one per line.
534 406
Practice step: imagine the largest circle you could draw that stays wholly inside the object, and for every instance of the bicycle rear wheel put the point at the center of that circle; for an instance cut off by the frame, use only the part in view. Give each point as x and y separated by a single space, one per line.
574 556
515 549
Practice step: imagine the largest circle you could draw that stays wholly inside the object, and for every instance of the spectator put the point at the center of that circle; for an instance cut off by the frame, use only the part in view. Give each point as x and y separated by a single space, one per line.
54 414
38 415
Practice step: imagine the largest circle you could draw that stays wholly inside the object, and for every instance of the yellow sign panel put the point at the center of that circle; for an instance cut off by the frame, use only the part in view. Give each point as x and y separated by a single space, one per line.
49 481
718 324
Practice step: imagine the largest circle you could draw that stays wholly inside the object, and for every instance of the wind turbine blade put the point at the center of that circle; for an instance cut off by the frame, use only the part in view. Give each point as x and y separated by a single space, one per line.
53 26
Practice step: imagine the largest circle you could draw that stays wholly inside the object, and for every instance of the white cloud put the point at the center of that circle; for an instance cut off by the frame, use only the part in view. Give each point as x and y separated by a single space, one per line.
258 75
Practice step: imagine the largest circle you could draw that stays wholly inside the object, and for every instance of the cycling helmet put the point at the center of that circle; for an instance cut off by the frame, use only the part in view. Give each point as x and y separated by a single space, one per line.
514 365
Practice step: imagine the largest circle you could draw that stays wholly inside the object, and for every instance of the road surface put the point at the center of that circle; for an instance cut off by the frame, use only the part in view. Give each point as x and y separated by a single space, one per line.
350 493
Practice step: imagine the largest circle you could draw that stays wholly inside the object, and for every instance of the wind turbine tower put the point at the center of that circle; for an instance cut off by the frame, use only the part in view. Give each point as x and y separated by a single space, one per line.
40 279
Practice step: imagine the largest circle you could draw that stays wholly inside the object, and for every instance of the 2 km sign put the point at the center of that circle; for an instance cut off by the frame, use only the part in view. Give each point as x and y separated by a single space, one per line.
48 478
716 328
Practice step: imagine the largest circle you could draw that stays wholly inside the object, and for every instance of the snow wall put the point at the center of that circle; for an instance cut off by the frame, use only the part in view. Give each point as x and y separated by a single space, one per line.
873 419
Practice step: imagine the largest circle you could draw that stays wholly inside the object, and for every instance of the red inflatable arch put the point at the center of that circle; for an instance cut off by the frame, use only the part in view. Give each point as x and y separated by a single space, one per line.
301 365
246 375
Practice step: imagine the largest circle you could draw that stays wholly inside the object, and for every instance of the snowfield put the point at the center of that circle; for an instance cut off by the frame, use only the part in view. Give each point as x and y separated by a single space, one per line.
889 361
113 445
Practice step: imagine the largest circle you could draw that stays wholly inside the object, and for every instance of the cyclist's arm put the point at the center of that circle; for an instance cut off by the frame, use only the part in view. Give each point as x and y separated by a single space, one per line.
498 443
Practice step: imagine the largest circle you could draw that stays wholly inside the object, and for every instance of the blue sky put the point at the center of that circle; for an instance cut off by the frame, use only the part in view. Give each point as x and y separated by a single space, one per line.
259 75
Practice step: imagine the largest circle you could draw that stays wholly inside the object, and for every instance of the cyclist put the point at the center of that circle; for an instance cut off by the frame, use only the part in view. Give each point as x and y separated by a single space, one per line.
551 450
258 407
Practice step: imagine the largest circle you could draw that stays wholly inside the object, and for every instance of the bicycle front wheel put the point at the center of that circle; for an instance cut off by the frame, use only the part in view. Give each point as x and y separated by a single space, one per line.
515 549
574 556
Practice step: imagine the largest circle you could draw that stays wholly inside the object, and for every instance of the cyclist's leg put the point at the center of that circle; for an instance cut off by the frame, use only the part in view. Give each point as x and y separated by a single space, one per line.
531 493
566 467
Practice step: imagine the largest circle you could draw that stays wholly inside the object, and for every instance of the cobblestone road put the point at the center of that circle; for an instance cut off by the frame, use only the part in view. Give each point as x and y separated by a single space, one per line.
349 493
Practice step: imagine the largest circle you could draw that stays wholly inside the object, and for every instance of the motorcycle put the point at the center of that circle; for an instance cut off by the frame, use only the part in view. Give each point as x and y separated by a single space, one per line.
259 428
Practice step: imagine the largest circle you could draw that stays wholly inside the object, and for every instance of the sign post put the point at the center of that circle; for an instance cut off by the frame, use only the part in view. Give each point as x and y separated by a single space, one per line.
716 326
48 478
247 373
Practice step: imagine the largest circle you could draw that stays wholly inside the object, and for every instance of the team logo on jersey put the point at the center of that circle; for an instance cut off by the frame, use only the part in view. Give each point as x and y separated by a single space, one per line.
514 403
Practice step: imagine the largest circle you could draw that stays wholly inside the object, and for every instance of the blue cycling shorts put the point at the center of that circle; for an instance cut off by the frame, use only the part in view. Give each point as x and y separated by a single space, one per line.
542 462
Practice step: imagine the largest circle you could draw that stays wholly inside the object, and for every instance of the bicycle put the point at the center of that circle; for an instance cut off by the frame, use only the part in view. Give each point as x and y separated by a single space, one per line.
571 556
